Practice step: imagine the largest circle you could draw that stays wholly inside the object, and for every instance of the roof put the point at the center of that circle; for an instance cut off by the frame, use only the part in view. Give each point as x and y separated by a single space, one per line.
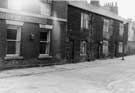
98 10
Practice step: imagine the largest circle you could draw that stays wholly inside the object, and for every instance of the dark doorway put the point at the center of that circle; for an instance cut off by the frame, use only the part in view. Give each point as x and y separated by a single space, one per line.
72 50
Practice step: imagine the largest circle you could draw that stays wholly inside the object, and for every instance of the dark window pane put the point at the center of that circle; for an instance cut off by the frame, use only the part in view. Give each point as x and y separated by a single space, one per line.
43 36
11 47
11 34
43 47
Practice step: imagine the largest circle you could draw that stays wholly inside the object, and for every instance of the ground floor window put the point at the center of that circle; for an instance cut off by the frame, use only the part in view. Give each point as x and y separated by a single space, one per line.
83 47
13 38
45 40
105 48
120 47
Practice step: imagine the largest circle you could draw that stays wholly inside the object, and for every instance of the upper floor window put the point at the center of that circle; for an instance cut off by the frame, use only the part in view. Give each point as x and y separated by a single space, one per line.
121 29
45 7
106 25
85 18
44 42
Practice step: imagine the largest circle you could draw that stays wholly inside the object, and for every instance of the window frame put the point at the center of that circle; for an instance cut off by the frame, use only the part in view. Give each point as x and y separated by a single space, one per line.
85 18
84 46
106 25
121 29
15 25
49 28
47 42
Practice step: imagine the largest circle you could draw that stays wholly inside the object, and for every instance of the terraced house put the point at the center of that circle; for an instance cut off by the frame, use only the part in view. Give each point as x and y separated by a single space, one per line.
31 31
47 32
95 31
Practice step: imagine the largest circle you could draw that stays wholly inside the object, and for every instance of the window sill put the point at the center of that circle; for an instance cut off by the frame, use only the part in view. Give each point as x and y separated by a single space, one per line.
44 56
13 57
83 54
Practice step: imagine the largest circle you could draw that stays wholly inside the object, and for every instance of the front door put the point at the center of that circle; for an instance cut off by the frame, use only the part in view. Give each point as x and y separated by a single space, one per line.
70 51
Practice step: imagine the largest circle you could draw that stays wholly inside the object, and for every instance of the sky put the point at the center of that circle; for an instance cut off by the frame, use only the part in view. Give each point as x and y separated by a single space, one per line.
126 7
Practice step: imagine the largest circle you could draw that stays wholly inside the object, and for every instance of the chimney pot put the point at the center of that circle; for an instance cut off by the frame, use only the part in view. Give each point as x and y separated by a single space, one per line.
95 2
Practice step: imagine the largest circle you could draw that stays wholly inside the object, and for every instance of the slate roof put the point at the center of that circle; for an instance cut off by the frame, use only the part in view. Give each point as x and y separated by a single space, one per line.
98 10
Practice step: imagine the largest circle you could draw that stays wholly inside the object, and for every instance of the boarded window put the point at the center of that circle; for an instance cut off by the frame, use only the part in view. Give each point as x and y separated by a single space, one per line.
121 29
85 19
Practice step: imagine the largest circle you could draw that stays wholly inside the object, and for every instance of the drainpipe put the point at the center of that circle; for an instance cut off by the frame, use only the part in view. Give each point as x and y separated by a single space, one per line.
123 49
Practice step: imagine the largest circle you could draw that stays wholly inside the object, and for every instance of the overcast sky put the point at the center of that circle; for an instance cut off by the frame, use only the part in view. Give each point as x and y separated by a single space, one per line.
126 7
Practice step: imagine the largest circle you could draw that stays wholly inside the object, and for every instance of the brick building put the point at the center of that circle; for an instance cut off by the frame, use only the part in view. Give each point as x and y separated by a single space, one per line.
31 31
131 37
94 32
54 32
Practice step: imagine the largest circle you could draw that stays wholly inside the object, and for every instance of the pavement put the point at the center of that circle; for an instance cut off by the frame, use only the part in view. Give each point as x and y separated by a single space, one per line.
64 67
99 76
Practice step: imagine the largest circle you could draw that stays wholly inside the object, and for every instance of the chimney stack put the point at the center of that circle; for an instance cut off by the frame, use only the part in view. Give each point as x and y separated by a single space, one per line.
112 6
95 2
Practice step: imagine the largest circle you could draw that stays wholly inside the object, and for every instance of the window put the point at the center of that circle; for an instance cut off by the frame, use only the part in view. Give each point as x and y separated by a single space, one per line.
85 18
105 48
121 29
13 40
120 47
46 7
45 40
106 25
83 47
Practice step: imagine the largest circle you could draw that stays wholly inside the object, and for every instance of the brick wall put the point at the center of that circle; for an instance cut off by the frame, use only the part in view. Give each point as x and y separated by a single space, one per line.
2 39
30 48
59 9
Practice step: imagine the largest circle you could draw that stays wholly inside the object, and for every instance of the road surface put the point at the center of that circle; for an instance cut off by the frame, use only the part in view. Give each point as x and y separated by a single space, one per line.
100 76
